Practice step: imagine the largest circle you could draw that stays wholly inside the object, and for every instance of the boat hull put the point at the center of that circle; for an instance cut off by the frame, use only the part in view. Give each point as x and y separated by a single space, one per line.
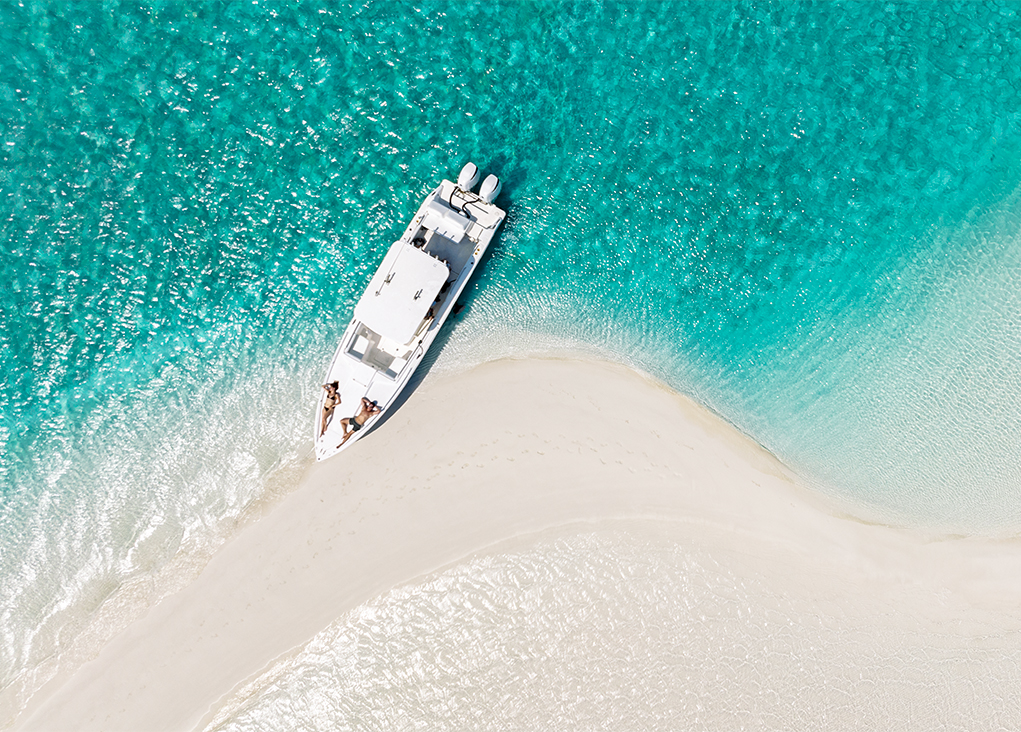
454 227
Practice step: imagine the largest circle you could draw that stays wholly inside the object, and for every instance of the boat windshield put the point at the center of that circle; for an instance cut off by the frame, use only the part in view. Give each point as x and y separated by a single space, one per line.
378 352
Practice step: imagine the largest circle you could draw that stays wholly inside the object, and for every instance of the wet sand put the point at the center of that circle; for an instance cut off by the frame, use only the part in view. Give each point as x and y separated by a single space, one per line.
510 449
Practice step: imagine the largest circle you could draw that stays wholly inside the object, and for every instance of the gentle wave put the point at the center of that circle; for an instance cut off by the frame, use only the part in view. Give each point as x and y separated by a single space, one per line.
790 213
636 631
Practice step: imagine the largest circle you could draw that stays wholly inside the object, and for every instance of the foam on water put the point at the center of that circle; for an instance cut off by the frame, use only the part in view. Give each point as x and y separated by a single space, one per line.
790 212
624 631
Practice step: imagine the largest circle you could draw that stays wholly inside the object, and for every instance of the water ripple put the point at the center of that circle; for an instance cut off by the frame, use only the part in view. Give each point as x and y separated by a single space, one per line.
804 217
609 630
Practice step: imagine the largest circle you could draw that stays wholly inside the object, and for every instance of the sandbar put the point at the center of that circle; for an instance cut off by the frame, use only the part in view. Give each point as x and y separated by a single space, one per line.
511 448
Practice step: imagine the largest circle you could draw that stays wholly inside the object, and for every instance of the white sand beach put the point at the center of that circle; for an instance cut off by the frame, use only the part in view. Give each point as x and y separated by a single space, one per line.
501 453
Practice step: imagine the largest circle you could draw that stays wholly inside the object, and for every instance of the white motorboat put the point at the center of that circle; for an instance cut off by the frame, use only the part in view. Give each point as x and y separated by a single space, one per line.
406 303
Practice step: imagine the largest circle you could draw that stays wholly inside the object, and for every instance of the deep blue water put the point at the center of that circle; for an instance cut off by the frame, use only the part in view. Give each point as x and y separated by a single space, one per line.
805 215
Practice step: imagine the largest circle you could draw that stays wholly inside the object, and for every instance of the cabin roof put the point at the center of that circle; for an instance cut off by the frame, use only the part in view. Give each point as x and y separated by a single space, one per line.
401 291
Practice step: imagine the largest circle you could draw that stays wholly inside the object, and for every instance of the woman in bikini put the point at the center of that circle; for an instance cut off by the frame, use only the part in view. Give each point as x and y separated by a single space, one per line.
358 421
329 404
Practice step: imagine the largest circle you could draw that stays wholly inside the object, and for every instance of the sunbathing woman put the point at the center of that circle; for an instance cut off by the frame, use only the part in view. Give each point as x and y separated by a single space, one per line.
358 421
329 404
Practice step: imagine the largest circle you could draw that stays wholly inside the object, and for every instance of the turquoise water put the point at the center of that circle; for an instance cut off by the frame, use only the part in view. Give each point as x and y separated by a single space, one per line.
804 215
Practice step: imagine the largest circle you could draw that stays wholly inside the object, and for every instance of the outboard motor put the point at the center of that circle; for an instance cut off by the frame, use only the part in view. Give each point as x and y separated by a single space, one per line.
468 178
490 189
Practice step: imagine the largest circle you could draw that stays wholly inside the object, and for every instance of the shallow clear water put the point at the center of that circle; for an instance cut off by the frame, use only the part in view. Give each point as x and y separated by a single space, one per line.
611 631
806 216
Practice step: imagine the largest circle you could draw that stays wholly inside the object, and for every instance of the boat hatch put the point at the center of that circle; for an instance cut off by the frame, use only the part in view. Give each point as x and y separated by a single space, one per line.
401 292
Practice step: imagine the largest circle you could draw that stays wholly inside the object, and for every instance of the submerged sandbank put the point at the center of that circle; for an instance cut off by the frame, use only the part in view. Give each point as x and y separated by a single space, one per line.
510 449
